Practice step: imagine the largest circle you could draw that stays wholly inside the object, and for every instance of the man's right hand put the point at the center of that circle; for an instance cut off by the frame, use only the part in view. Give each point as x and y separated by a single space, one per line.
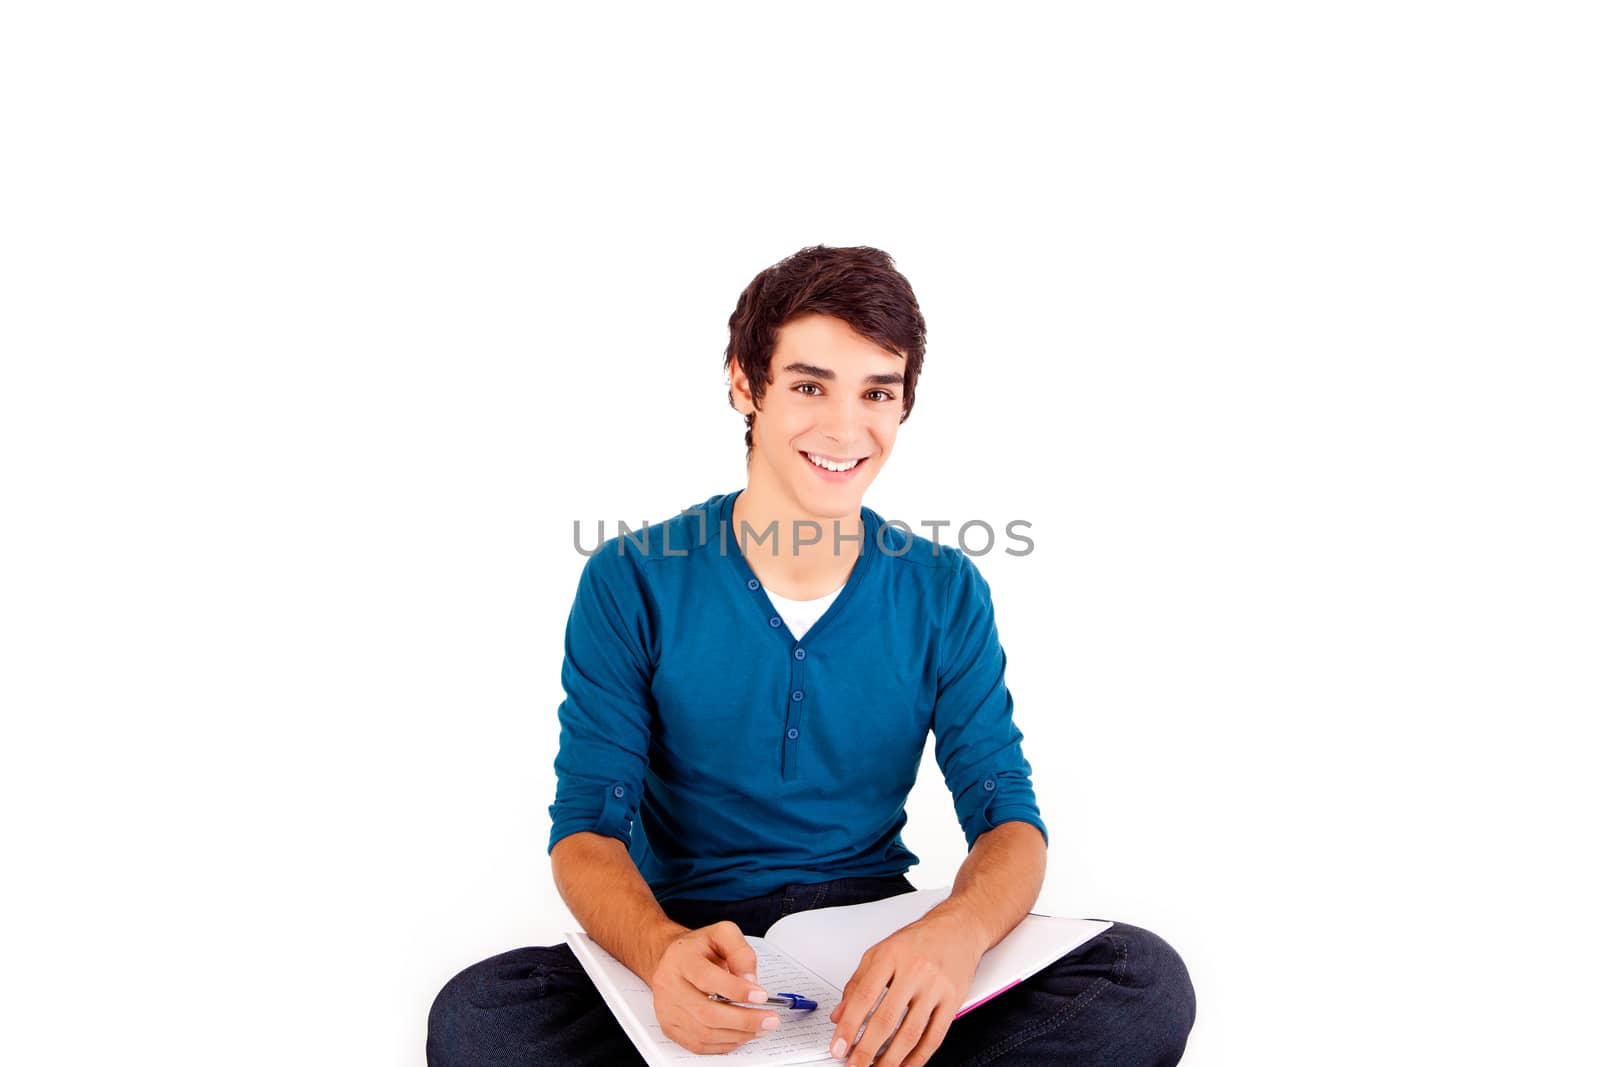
694 965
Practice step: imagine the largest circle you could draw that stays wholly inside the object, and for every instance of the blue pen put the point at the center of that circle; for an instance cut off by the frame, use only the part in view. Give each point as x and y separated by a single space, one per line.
792 1001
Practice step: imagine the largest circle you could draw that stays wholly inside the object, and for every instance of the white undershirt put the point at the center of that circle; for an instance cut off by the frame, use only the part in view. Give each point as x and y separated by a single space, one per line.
801 615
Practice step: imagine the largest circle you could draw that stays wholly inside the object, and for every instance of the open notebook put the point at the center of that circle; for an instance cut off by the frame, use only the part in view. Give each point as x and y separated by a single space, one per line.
814 953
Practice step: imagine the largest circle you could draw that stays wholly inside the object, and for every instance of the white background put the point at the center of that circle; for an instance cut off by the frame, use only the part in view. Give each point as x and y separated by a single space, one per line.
323 322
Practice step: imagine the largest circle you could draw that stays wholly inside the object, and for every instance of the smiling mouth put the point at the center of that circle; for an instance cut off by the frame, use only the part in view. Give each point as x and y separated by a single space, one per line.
833 466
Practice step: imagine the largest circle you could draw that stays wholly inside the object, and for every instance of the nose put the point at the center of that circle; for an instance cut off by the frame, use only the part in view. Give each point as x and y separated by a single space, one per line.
839 421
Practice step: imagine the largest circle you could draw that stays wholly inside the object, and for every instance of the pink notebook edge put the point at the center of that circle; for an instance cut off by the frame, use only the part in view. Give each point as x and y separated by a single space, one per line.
988 998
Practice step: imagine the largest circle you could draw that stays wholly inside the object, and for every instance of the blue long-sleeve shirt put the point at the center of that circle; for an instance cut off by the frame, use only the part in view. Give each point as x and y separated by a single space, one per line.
731 758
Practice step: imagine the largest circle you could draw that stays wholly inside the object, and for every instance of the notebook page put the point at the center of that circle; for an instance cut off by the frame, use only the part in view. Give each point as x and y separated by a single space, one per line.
833 940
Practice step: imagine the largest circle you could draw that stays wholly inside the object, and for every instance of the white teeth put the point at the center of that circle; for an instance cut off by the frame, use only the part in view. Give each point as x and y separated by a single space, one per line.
827 465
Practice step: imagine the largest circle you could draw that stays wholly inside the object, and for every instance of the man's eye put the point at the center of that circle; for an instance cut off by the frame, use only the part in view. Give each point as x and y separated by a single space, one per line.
807 385
887 396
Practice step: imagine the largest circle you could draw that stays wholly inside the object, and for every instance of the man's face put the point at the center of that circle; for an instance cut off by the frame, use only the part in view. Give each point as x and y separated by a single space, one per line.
835 396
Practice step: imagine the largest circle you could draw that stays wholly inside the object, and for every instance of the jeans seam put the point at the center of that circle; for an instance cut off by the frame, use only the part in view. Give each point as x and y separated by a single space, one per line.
1070 1011
1119 969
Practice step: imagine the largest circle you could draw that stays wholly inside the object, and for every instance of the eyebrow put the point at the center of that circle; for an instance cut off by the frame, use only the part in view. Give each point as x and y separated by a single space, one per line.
828 375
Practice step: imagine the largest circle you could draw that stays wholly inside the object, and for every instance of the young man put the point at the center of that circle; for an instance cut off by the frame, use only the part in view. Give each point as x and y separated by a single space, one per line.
749 691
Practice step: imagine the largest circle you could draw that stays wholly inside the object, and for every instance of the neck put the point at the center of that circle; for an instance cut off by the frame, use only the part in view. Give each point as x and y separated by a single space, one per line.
799 571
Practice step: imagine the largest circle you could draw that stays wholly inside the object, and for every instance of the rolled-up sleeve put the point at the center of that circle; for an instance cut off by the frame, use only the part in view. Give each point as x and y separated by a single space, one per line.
978 746
605 718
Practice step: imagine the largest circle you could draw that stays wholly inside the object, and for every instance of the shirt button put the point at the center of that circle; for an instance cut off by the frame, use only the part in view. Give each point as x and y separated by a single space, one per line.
793 733
798 695
988 783
754 583
616 791
799 653
774 622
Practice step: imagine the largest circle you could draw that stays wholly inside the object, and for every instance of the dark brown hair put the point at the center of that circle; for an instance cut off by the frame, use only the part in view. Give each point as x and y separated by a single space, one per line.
859 285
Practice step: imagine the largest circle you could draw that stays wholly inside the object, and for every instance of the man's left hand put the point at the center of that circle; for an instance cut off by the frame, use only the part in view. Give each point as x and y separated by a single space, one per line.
923 971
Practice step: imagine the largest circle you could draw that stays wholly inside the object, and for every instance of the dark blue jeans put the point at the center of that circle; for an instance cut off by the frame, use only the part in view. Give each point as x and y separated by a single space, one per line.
1123 999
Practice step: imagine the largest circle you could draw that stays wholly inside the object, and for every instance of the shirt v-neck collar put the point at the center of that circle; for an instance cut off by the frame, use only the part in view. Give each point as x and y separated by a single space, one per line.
728 546
801 605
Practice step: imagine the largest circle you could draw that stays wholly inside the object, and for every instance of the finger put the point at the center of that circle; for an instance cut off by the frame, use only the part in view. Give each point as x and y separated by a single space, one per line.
861 996
735 951
730 1018
906 1037
933 1034
709 977
699 1005
696 1039
880 1028
739 1034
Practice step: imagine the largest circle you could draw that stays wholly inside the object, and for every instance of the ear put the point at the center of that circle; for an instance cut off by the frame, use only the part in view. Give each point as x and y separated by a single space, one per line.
739 386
